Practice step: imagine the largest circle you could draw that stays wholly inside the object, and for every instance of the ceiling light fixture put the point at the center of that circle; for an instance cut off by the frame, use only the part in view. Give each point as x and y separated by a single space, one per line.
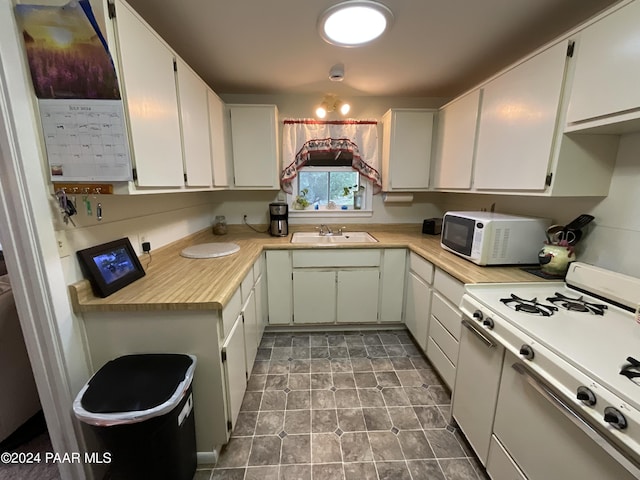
354 23
331 103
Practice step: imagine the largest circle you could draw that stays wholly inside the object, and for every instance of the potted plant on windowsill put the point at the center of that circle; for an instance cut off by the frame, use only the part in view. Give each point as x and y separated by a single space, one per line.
301 202
358 193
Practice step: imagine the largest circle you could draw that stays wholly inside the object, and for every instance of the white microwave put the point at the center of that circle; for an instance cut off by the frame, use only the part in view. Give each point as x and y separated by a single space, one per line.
489 238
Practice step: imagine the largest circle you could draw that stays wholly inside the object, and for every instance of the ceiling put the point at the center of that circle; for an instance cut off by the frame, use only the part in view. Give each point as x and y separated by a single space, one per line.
434 48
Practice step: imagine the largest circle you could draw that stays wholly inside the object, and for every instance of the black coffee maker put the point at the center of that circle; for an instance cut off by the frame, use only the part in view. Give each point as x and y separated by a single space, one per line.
279 219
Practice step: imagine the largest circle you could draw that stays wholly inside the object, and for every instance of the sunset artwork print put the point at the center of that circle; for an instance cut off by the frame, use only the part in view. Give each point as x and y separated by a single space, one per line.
67 56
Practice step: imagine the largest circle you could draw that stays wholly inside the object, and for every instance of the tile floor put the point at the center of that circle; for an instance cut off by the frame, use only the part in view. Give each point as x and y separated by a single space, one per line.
344 405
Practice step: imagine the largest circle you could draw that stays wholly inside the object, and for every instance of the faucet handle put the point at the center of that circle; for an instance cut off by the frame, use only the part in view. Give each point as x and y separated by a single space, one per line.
341 230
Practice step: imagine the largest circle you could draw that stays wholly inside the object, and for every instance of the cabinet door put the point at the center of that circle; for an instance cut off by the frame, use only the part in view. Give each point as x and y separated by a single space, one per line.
251 329
417 309
235 369
217 132
607 76
150 94
455 143
358 296
255 146
406 149
262 311
518 123
314 296
194 113
392 286
279 287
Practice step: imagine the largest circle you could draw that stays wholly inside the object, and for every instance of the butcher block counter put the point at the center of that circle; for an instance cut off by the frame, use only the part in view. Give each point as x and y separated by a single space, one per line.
173 282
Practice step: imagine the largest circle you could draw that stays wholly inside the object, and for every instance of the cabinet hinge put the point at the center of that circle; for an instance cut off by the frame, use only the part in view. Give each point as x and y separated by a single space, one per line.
185 178
175 65
246 375
223 354
242 315
229 425
570 48
134 174
547 180
111 9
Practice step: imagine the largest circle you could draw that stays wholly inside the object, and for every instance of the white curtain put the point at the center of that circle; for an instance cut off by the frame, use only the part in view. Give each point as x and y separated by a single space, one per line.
302 136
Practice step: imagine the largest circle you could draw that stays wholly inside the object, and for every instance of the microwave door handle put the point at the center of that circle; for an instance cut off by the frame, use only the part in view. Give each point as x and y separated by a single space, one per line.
554 399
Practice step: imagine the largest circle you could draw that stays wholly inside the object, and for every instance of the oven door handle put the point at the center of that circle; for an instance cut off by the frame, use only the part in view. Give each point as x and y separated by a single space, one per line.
552 397
486 340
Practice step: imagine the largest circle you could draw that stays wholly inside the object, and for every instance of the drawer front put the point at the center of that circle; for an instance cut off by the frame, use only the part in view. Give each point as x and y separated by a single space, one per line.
258 268
338 258
246 286
449 316
445 341
421 267
230 312
500 464
445 368
451 288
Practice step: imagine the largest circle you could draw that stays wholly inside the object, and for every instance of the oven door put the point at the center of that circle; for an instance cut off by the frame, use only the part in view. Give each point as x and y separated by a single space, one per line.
544 436
457 234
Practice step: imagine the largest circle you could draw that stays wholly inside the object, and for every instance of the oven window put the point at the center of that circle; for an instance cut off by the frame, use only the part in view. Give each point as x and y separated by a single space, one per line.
457 234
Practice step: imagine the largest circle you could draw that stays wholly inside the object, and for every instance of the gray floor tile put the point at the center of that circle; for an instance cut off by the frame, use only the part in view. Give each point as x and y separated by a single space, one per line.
320 352
273 400
344 380
301 353
300 341
393 471
297 421
318 341
270 423
353 340
377 351
409 378
360 471
336 340
418 396
361 365
324 420
419 362
256 383
395 397
440 394
246 424
341 365
322 399
296 449
262 473
429 376
371 339
444 444
276 382
430 417
328 472
280 353
388 379
319 365
347 398
415 445
299 381
381 364
261 367
395 350
278 367
251 402
365 379
376 419
265 451
425 470
300 366
321 381
402 363
356 447
298 400
295 472
203 474
351 420
339 352
326 448
283 341
357 351
458 469
370 397
404 418
385 446
235 453
228 474
389 338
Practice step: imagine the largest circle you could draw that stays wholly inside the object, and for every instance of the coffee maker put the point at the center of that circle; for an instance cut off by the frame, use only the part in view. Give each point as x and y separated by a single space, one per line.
278 219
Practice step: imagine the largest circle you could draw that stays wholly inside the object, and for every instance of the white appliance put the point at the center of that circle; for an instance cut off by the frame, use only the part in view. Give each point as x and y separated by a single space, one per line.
489 238
539 391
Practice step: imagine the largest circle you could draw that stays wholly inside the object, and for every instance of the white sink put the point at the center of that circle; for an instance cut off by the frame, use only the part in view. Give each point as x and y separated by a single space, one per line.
346 237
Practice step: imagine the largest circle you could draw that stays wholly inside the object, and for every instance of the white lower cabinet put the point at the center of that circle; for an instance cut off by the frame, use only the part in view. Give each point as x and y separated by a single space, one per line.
357 292
314 296
251 329
500 464
235 370
418 298
279 287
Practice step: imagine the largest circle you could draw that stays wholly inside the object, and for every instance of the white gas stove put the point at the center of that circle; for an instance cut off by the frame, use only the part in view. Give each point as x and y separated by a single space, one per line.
575 337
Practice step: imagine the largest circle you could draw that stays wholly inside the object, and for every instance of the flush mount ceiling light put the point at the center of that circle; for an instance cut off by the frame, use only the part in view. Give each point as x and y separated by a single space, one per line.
332 103
354 23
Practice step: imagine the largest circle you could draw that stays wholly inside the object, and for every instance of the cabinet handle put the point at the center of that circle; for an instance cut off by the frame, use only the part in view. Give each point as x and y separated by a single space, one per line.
615 451
486 340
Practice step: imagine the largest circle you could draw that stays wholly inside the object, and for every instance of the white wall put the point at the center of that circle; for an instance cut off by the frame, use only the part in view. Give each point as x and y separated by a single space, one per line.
611 240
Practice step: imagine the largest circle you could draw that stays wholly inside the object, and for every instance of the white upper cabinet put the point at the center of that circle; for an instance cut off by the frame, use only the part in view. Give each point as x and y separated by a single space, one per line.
456 137
194 114
607 73
406 149
518 123
254 137
149 87
220 155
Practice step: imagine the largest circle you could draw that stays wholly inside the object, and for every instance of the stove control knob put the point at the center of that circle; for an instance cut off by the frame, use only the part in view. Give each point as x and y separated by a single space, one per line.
586 396
478 315
615 418
527 352
488 322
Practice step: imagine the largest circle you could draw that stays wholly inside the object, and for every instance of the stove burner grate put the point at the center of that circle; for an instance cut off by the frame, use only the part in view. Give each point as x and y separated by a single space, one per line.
529 306
577 304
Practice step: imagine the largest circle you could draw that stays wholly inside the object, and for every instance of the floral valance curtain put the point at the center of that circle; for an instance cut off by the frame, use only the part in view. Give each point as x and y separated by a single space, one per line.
358 137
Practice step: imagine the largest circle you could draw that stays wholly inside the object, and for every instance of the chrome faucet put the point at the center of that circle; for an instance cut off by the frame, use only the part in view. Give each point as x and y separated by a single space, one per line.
325 230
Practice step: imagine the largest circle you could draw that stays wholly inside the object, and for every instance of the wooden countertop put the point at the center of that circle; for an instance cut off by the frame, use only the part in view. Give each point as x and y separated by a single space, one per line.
173 282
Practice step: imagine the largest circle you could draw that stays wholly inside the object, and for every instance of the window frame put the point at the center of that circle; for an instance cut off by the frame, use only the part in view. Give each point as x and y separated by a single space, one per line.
323 211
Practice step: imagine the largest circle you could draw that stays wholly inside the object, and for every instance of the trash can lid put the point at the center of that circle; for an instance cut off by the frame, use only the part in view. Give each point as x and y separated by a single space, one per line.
132 388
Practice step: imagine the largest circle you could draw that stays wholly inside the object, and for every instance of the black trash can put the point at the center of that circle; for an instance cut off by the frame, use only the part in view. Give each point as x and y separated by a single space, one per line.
141 409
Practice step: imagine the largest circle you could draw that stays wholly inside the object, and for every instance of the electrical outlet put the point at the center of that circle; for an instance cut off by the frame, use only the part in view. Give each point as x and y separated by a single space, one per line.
142 239
63 243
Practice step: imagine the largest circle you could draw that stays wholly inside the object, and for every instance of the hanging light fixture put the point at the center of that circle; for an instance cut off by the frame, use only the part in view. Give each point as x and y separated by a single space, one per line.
354 23
331 103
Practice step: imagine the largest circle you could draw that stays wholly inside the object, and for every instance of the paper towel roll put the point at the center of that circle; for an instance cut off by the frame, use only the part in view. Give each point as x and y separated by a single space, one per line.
397 197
